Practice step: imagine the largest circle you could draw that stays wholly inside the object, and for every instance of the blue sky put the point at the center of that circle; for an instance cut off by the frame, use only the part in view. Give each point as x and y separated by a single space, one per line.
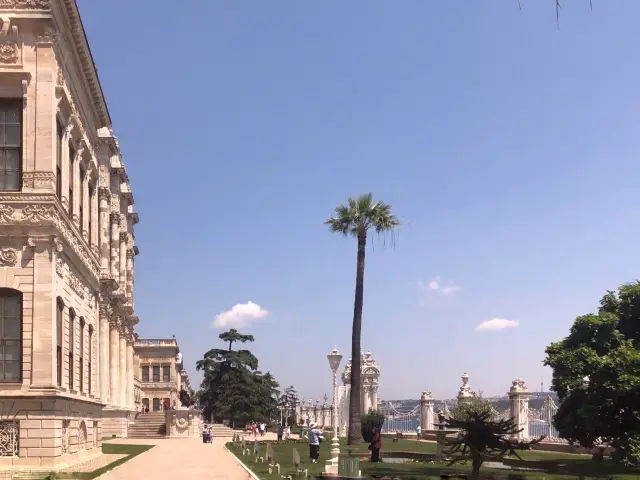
508 147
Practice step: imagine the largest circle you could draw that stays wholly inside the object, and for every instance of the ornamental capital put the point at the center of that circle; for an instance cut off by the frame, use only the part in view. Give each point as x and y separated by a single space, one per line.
115 218
104 194
124 237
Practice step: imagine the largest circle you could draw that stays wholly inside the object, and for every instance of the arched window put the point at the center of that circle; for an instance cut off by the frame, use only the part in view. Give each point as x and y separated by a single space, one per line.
10 335
81 354
59 333
72 341
90 356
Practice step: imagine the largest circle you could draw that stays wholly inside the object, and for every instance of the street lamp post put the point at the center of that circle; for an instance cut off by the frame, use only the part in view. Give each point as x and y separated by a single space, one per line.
334 362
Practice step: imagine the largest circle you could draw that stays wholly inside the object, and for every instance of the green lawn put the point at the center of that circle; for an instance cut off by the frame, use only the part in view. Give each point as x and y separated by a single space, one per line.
111 448
555 466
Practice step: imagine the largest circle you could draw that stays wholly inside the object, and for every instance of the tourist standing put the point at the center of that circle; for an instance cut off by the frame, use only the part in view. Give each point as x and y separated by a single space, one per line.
315 437
262 429
375 445
279 430
419 431
287 434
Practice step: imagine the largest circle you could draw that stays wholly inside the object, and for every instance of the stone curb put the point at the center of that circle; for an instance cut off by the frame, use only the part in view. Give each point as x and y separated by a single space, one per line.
241 463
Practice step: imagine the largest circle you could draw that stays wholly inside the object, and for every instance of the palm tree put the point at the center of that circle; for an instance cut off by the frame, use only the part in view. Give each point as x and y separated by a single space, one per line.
357 218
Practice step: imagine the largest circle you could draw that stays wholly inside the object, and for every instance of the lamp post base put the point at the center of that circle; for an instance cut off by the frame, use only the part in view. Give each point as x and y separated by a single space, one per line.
332 463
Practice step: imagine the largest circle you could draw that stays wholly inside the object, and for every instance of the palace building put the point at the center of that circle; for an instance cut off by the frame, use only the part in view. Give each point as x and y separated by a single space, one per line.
67 245
161 373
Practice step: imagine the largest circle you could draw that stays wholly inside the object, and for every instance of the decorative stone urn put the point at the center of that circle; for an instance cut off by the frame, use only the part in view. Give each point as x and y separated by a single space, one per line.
183 423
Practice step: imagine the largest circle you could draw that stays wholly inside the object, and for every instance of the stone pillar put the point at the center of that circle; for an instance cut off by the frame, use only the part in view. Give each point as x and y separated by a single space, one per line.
426 411
66 137
519 406
77 187
104 354
376 398
40 308
86 206
115 245
95 241
122 389
114 363
465 392
130 277
130 395
122 267
103 241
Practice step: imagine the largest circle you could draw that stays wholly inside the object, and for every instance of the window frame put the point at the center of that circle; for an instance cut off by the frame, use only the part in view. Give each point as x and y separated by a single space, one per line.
18 102
90 354
91 192
59 338
72 161
82 172
147 368
59 142
72 341
153 372
81 355
166 369
11 292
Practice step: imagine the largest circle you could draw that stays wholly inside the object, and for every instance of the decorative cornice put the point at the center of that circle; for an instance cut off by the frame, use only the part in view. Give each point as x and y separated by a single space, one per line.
43 209
38 179
72 280
86 61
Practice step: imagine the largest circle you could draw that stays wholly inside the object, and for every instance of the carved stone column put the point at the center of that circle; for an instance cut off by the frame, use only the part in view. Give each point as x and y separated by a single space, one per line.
103 233
130 396
122 389
95 241
77 187
115 245
426 411
65 163
130 277
86 206
519 406
114 362
104 353
124 236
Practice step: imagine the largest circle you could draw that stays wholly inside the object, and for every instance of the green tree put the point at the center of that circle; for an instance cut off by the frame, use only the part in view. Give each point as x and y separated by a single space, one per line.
370 420
596 375
357 218
482 437
233 388
287 402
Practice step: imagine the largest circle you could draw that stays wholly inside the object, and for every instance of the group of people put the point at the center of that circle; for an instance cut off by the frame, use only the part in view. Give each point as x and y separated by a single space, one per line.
257 428
282 430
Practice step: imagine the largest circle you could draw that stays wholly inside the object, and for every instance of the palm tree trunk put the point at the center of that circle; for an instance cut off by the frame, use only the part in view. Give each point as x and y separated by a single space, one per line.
355 427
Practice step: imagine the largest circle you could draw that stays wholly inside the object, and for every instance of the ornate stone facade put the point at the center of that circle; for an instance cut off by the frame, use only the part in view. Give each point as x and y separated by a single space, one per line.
66 268
161 373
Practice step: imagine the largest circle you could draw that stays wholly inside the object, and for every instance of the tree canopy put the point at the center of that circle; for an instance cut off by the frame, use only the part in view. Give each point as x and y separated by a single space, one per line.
596 374
233 388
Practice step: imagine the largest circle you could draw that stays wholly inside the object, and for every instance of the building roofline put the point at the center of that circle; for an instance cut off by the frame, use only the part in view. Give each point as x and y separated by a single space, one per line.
88 63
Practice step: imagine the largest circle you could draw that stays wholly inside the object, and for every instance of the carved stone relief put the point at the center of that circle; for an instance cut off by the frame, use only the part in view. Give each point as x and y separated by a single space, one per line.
77 285
8 257
26 4
34 213
10 43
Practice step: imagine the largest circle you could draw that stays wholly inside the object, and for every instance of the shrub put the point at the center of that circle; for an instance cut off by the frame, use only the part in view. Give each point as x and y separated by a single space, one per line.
372 419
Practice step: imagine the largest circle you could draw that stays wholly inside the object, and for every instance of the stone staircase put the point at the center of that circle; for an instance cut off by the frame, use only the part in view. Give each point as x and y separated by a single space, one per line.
151 425
219 430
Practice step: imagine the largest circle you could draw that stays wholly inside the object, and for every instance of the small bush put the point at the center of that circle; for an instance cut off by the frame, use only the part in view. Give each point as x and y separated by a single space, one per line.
372 419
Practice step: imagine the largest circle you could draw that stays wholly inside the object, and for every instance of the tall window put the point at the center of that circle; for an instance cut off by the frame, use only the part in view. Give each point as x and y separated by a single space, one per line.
59 316
90 355
156 373
72 157
10 144
90 212
81 354
145 373
156 404
60 133
72 341
166 373
81 199
10 335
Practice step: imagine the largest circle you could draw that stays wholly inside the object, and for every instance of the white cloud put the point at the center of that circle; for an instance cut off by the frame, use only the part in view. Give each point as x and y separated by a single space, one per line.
436 287
496 324
240 315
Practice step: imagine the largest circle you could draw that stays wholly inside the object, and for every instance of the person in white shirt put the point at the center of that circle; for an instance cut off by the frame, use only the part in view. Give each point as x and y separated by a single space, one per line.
263 427
315 437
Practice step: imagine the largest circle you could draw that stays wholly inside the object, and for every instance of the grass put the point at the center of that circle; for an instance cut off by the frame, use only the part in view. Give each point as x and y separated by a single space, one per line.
554 465
111 448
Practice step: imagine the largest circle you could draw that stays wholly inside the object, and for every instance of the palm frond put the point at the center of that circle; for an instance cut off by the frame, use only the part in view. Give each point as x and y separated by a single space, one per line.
361 215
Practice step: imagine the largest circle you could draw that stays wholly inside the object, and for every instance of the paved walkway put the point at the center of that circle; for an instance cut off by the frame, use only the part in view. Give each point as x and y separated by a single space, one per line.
181 459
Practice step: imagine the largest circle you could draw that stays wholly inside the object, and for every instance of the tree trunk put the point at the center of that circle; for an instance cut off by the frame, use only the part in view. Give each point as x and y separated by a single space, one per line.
355 427
476 463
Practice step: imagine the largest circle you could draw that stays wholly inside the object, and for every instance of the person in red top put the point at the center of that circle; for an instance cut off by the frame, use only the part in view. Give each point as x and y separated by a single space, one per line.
375 445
